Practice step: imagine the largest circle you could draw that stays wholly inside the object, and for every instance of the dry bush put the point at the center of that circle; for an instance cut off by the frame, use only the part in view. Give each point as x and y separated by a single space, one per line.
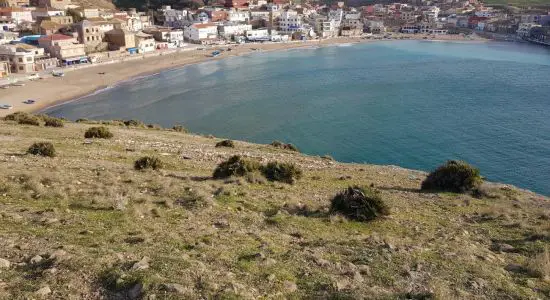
98 133
283 172
361 204
539 265
235 166
453 176
42 149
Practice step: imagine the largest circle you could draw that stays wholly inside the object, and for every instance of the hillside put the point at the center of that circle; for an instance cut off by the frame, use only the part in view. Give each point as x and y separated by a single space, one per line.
86 225
104 4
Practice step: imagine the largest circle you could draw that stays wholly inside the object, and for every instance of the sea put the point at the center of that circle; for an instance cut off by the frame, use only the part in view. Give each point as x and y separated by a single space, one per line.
413 104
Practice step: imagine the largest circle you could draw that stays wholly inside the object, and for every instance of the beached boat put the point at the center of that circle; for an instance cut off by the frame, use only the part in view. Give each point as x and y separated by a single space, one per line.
5 106
58 74
18 84
29 101
216 53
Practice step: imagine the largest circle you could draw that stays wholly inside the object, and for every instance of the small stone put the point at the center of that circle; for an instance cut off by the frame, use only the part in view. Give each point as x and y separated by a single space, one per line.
364 269
357 277
174 288
290 286
44 291
502 247
221 224
322 262
35 260
4 263
142 264
58 254
269 262
49 221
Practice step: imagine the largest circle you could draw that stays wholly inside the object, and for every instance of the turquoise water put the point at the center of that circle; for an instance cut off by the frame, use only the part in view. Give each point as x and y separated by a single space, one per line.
409 103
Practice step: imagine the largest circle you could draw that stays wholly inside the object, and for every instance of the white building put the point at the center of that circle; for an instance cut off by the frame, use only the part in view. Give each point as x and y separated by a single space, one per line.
238 16
201 33
257 35
145 42
46 12
290 21
232 29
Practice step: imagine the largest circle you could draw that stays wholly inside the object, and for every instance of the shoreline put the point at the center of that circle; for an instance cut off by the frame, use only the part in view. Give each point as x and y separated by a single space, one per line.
77 84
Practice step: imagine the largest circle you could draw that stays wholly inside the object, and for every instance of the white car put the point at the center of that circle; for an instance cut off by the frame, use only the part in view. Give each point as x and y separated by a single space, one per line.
5 106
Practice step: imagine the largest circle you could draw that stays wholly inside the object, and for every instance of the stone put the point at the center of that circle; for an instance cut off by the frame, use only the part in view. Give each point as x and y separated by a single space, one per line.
357 277
135 291
37 259
44 291
143 264
364 269
502 247
174 288
58 254
322 262
4 263
290 286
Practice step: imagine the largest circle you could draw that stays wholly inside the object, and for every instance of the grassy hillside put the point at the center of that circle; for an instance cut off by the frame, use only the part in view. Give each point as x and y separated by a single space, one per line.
520 3
105 4
86 225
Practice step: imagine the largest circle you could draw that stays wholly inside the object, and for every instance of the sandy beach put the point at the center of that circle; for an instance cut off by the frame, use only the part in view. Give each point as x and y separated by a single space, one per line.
54 90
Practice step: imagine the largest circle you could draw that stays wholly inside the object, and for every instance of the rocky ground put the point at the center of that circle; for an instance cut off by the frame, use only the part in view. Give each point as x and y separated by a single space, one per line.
86 225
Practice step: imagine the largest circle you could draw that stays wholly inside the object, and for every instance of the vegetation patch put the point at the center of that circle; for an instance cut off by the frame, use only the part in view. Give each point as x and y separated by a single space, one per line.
225 143
281 145
53 122
26 119
179 128
235 166
148 162
134 123
98 133
454 176
283 172
42 149
361 204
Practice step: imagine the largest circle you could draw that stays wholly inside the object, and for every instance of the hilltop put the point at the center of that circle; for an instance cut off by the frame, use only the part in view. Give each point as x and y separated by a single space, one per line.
86 225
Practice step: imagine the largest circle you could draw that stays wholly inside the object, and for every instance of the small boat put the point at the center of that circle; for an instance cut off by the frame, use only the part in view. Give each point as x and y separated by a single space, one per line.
5 106
29 101
6 87
58 74
18 84
216 53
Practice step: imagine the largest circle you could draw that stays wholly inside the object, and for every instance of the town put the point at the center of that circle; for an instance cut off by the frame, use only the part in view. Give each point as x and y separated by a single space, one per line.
39 36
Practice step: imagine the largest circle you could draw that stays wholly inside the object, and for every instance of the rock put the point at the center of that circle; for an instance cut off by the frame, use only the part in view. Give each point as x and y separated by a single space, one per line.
49 221
44 291
271 277
58 254
143 264
222 223
269 262
135 291
290 286
502 247
357 277
37 259
364 269
174 288
4 263
322 262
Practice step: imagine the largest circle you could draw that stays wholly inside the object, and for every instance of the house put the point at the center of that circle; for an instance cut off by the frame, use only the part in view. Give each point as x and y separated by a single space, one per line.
91 35
120 39
524 29
61 20
201 33
24 58
219 15
144 42
229 30
257 35
352 27
18 15
7 37
7 24
237 4
65 48
173 37
174 18
87 12
46 12
14 3
237 16
60 4
290 22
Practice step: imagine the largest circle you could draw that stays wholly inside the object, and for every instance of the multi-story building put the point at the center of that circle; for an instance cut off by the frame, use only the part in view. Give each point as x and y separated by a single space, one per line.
258 35
173 37
229 30
290 22
18 15
7 24
91 35
174 18
120 39
46 12
14 3
201 33
24 58
65 48
237 16
145 42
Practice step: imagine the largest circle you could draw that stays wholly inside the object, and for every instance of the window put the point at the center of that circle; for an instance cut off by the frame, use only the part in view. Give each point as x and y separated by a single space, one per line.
21 68
87 30
88 38
20 59
29 59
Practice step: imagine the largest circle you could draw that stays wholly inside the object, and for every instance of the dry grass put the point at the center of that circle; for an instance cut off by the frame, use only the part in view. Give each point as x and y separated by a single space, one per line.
245 238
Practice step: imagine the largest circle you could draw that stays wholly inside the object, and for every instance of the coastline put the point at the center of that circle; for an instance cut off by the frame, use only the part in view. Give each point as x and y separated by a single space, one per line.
53 91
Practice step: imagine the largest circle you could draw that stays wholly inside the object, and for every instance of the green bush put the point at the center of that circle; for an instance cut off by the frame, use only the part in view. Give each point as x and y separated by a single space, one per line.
26 119
278 144
453 176
359 204
53 122
226 143
42 149
148 162
16 116
284 172
98 133
235 166
179 128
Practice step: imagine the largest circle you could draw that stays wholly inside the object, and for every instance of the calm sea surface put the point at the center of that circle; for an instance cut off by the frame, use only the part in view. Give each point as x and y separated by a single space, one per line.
409 103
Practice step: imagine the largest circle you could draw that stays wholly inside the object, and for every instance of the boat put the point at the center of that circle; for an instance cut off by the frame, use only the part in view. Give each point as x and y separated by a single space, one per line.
18 84
58 74
29 101
5 106
216 53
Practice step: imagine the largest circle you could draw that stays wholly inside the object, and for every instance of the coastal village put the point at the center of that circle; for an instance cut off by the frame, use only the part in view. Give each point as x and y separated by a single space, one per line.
44 36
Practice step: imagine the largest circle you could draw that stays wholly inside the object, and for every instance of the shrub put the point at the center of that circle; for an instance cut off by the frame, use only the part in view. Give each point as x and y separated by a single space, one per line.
134 123
53 122
42 149
359 204
179 128
453 176
226 143
98 133
284 172
193 200
278 144
539 266
148 162
26 119
154 126
235 166
82 120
